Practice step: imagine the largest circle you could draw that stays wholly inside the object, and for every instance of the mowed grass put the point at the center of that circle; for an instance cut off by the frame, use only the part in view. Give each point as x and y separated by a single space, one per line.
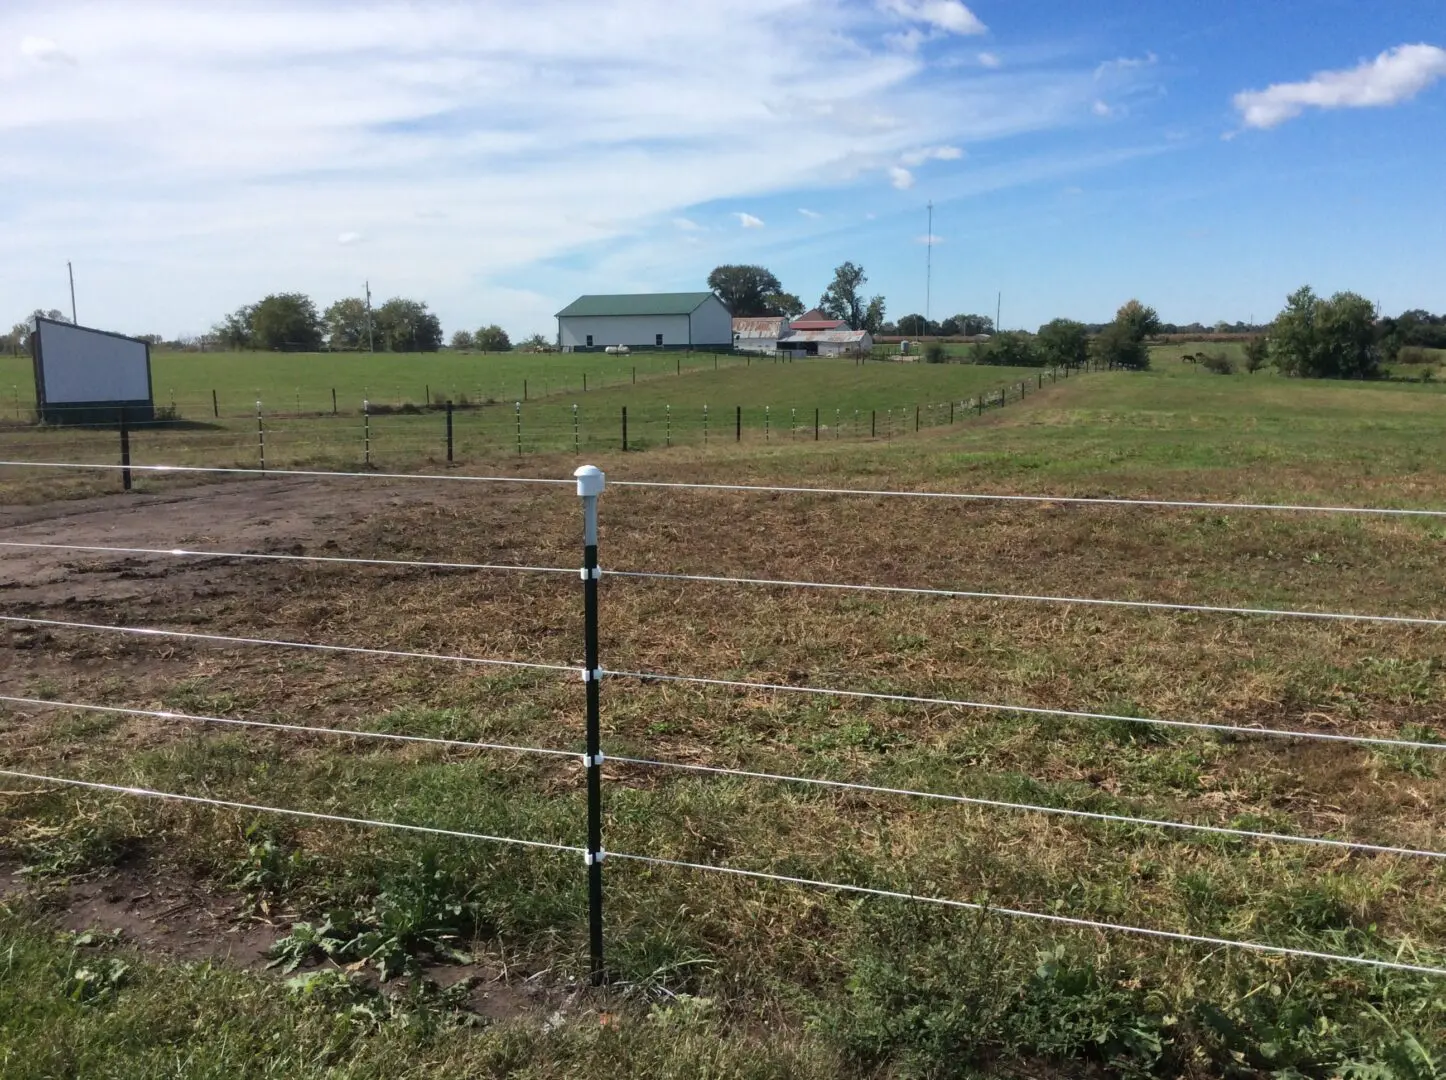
727 977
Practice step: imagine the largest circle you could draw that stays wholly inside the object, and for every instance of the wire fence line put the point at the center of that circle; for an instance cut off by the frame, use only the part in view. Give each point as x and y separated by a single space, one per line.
597 856
714 579
226 639
589 485
840 785
765 489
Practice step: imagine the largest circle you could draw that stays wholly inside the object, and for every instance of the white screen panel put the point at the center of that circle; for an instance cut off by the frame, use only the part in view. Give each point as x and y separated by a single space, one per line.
85 365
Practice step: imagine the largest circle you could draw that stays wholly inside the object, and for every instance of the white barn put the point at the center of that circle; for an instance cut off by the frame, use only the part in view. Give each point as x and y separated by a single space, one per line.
827 343
760 334
694 320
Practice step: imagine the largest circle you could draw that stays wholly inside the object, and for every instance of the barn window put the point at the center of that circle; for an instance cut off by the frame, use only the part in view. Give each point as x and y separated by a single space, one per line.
589 341
657 339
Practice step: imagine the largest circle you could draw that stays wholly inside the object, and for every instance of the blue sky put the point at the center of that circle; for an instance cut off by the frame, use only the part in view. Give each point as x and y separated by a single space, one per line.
496 159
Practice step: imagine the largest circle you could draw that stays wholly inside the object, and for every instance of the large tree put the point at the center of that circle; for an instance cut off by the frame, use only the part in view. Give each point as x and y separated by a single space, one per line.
1326 339
286 322
783 303
972 325
235 330
746 289
347 324
492 339
407 326
463 340
844 299
1063 343
1122 343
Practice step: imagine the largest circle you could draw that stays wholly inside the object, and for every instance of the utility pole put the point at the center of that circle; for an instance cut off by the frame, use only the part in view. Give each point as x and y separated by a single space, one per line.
71 270
371 342
998 303
928 266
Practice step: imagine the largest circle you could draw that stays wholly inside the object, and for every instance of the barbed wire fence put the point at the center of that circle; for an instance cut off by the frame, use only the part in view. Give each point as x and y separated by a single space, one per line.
589 484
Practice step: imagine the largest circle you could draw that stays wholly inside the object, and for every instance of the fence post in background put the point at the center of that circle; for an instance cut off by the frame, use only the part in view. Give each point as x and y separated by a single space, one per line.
679 361
916 419
635 374
668 425
576 435
980 402
125 439
767 418
837 421
625 429
584 382
524 389
261 437
815 423
705 425
517 408
715 361
449 431
793 423
951 412
873 423
590 484
1041 381
738 423
427 400
366 433
333 401
215 406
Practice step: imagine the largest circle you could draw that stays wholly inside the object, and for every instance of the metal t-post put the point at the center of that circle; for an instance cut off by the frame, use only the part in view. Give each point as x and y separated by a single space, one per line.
261 437
590 484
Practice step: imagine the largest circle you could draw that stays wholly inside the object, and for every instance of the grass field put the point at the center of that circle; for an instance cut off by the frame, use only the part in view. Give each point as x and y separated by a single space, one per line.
721 976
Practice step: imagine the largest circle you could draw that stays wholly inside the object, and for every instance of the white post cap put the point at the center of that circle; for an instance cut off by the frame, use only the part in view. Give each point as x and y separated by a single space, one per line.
590 480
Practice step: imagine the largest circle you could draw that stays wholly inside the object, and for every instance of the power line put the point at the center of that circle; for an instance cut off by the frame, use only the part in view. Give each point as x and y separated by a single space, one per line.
999 804
1028 710
1153 605
162 714
1062 920
147 793
291 558
226 639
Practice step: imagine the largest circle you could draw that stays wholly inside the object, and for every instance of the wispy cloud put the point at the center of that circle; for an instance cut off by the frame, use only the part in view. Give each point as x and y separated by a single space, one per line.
748 221
948 15
44 51
346 239
1394 76
929 238
686 225
901 177
915 158
1101 108
990 60
1125 63
813 214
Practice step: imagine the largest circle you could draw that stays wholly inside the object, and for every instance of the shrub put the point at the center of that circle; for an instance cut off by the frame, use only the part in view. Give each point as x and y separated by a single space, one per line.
1219 363
935 353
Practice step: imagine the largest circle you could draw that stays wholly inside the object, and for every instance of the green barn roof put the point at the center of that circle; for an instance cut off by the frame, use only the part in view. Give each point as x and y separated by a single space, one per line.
665 303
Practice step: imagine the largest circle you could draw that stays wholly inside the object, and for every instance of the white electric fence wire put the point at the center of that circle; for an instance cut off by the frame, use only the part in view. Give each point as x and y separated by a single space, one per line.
1000 804
1153 605
162 714
147 793
1028 710
1174 504
1062 920
1177 504
226 639
292 472
290 558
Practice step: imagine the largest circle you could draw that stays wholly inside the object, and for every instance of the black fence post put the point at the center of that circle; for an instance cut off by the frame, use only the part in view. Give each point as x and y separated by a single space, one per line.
125 439
590 484
524 389
738 423
635 374
815 423
584 382
916 419
873 423
625 429
333 401
215 406
449 431
951 412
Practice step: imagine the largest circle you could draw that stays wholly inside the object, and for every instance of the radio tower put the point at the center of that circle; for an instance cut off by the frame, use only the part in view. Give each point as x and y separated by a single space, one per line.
928 266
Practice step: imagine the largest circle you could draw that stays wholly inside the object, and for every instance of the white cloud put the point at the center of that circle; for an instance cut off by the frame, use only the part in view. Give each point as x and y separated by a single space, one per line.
1101 108
931 153
687 224
929 238
990 60
44 51
748 221
1394 76
346 239
1125 63
901 177
814 214
468 144
947 15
